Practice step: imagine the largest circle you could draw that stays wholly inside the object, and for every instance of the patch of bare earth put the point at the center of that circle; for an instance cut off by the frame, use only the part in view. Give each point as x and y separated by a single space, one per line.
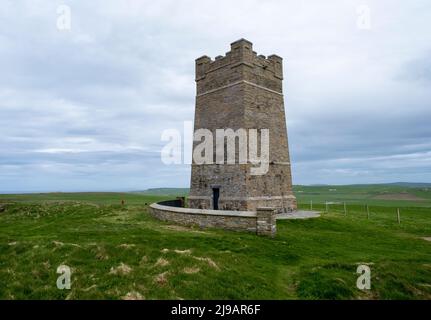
60 244
133 295
122 269
181 228
405 196
90 288
126 246
367 295
162 278
101 254
187 251
210 262
161 262
427 238
191 270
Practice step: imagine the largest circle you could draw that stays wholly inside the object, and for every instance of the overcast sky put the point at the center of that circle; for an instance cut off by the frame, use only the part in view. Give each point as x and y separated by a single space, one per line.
83 109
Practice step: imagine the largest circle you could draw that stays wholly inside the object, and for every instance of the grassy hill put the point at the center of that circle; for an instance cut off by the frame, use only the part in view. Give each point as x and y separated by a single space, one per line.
120 252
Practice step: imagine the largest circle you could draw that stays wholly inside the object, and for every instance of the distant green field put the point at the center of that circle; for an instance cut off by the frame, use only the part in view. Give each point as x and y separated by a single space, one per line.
93 197
165 191
120 252
381 195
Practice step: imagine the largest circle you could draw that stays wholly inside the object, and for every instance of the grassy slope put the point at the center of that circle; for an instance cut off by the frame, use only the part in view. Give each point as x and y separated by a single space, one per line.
308 259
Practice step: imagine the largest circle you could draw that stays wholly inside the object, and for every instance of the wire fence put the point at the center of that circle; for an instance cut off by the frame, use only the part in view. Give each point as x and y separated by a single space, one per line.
365 211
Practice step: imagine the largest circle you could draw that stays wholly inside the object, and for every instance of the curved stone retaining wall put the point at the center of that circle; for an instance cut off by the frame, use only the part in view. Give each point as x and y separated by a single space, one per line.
261 222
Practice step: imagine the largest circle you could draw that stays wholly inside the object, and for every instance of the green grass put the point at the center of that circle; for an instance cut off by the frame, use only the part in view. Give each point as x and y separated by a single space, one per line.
90 197
309 259
365 194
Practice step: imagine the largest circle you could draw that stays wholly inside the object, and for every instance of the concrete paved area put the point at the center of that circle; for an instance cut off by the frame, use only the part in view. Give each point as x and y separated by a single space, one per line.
300 214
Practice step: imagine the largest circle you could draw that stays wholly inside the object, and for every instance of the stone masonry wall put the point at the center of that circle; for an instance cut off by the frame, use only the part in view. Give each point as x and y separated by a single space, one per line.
242 90
261 222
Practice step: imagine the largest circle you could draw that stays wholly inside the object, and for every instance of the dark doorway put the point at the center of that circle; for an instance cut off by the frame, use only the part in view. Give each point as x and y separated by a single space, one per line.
216 194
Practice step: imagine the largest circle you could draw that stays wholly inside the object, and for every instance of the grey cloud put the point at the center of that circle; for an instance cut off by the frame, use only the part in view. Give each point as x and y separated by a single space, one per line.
84 110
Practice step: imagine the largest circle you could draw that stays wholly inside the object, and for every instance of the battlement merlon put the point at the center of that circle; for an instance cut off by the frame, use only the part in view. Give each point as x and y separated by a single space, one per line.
242 45
241 53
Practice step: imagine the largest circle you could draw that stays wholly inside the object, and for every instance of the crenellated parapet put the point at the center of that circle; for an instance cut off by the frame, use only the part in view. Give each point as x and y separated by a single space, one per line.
241 62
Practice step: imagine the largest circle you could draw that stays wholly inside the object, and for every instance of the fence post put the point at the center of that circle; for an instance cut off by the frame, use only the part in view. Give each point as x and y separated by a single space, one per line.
398 216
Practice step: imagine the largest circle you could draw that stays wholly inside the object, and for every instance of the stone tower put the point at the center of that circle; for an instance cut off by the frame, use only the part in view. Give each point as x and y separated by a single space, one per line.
242 90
